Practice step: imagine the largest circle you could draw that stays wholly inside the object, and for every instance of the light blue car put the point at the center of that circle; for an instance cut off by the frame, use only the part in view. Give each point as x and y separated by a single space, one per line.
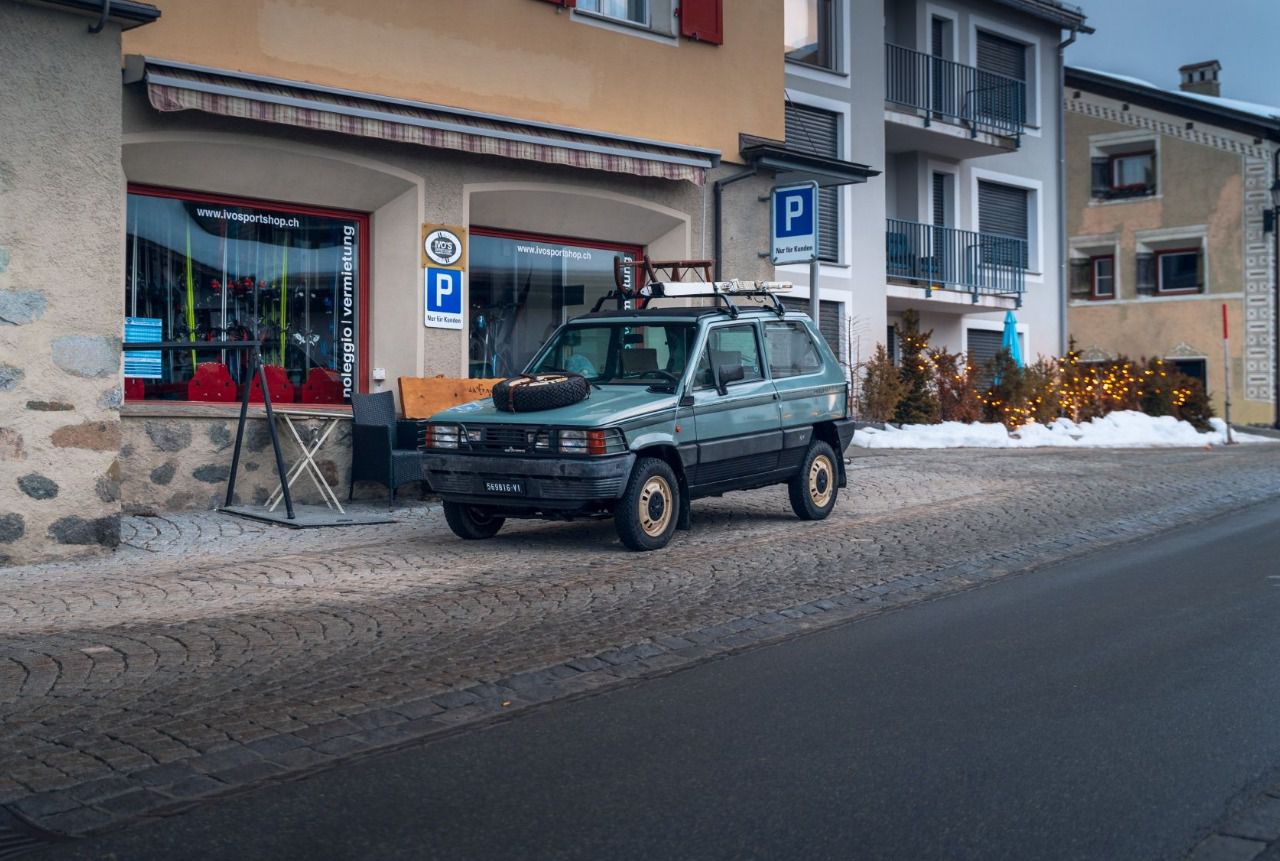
683 403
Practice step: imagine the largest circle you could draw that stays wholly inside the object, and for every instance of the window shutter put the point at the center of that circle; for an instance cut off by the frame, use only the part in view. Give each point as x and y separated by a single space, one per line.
702 20
1002 211
1145 272
1101 177
1081 278
1200 270
1002 56
817 132
983 346
939 200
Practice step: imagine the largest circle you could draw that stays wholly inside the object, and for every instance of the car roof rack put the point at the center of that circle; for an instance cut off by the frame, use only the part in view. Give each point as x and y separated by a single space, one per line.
628 272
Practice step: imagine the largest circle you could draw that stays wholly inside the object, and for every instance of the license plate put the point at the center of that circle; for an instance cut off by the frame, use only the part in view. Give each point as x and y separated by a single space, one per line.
514 488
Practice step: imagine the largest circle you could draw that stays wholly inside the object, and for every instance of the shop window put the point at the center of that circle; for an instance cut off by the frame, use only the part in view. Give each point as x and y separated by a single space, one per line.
200 268
522 287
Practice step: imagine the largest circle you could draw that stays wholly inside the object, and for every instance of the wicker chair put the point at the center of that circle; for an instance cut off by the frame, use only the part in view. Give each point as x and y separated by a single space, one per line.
383 449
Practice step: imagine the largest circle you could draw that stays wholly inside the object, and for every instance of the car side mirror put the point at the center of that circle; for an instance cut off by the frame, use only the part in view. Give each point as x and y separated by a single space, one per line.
726 374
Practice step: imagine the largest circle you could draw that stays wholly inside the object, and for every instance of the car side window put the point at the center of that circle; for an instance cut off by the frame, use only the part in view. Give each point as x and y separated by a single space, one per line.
729 345
791 350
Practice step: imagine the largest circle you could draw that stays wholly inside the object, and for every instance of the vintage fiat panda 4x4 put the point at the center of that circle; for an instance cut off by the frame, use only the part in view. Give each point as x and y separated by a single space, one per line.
634 413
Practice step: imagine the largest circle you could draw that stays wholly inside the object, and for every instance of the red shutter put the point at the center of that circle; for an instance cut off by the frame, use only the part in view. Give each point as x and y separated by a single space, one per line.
702 20
567 4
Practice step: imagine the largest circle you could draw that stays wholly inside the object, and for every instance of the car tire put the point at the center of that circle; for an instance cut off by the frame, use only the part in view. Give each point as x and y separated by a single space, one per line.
646 515
814 488
533 392
471 522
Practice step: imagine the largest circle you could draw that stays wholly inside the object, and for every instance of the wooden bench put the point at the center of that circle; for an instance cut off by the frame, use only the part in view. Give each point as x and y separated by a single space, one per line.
423 397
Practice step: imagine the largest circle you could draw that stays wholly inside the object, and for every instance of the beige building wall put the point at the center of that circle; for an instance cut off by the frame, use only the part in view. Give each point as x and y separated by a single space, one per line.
521 58
61 267
1200 200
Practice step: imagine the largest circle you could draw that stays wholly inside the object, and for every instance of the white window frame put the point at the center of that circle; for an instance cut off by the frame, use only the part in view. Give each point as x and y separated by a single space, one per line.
924 34
1164 240
662 26
1093 277
1032 123
1161 290
1035 213
925 203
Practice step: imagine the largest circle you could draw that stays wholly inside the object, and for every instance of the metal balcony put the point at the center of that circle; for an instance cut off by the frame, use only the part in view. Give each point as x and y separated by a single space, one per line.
943 258
979 100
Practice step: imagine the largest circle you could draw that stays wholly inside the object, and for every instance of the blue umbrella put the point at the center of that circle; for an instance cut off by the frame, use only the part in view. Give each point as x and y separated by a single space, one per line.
1010 340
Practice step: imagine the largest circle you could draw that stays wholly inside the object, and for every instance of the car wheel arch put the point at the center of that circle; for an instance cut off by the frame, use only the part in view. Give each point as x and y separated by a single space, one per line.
668 453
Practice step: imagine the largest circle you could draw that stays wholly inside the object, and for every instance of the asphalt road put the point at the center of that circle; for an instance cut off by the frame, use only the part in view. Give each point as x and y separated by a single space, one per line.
1109 708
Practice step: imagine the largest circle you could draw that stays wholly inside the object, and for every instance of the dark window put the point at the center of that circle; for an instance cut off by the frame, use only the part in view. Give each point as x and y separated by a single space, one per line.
791 351
817 132
1122 175
1179 271
939 200
1002 214
1194 368
1104 277
809 32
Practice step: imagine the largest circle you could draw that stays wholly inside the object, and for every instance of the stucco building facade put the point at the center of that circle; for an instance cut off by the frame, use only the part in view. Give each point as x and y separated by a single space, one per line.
1167 191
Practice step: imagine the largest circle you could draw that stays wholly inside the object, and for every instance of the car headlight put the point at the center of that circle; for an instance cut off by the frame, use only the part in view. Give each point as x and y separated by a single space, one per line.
442 436
591 441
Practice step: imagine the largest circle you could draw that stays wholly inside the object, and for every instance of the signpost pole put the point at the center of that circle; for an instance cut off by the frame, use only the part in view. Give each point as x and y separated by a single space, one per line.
815 303
1226 373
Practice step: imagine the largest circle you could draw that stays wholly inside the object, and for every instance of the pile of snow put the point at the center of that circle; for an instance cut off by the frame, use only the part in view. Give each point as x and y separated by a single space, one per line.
1125 429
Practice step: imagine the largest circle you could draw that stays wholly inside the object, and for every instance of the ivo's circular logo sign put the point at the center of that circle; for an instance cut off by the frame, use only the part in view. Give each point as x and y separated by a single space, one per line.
442 247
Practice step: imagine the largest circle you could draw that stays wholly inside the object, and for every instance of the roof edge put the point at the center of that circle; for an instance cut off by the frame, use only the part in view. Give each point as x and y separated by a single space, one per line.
127 13
1062 14
1170 101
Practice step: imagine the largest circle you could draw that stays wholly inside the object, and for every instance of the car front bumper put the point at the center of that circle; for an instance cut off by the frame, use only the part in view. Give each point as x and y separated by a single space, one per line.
547 482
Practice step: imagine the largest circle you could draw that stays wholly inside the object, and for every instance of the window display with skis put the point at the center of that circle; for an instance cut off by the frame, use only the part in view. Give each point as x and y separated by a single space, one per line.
207 268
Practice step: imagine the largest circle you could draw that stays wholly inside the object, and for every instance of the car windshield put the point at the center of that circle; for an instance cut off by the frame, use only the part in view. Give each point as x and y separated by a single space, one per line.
622 353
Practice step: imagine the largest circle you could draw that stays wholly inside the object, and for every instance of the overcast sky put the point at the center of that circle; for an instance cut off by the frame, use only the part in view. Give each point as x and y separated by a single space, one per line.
1150 39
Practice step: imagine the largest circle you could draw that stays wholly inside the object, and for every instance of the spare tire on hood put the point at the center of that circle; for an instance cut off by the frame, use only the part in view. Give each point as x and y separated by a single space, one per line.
532 392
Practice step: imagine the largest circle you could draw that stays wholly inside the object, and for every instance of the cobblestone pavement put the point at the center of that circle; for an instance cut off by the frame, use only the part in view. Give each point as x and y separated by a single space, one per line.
212 653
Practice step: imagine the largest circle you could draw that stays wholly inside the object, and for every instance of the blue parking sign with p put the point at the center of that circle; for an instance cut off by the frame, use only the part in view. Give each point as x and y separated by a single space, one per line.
793 225
443 293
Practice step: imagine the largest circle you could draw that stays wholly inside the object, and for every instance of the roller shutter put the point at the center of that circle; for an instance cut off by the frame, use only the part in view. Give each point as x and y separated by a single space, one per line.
1002 211
829 319
983 346
817 132
1002 56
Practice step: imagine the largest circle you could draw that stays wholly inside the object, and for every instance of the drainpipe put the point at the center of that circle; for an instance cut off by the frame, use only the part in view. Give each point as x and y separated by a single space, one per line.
1063 286
717 188
102 19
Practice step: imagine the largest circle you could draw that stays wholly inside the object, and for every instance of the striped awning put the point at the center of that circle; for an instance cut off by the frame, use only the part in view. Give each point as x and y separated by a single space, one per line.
181 87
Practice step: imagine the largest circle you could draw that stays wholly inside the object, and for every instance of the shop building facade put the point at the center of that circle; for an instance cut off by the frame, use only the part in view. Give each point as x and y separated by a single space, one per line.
1168 196
959 103
277 168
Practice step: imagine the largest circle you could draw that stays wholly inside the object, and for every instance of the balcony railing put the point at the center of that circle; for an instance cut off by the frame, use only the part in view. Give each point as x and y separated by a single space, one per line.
980 100
946 258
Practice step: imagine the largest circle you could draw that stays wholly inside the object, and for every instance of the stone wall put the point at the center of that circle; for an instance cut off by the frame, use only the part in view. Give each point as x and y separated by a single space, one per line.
61 267
181 463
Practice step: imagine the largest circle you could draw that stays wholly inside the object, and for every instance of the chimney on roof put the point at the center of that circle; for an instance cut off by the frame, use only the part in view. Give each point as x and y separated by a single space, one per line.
1201 78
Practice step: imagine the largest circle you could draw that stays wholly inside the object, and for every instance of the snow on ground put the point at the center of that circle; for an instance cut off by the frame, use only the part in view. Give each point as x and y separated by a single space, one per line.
1125 429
